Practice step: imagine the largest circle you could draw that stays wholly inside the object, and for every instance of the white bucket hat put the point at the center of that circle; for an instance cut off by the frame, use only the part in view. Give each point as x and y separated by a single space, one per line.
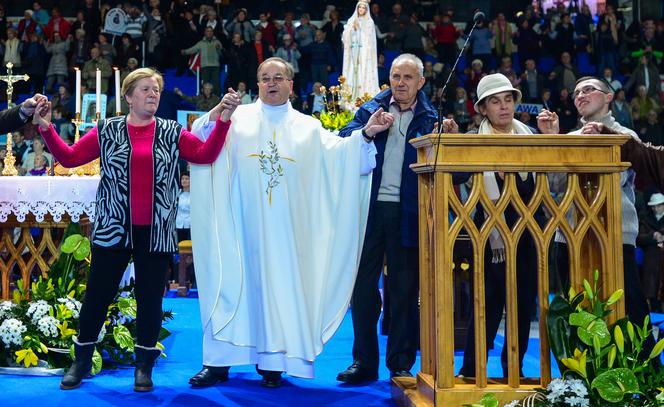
656 199
493 84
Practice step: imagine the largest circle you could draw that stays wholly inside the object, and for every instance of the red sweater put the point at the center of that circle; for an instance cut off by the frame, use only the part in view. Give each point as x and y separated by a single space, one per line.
87 149
445 34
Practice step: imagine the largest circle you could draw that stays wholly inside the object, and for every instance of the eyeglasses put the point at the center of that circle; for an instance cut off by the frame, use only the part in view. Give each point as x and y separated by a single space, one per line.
265 80
586 90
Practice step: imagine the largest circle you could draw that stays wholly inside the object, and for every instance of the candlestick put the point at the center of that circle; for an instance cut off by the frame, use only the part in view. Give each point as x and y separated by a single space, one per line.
78 90
98 90
117 90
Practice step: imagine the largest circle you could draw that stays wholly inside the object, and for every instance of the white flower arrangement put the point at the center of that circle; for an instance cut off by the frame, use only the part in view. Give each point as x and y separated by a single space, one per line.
38 309
72 304
48 326
11 332
6 308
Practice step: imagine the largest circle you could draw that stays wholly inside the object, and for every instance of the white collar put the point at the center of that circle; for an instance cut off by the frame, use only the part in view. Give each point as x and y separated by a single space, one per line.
274 114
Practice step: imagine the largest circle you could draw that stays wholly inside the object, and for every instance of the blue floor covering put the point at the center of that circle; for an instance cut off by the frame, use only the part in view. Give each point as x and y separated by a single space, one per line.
114 387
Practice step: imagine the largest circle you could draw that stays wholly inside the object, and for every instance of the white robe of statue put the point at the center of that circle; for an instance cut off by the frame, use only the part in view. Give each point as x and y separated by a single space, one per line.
277 225
360 56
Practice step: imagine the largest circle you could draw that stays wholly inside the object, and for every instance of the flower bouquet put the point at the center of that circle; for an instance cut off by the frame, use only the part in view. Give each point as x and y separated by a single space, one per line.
339 108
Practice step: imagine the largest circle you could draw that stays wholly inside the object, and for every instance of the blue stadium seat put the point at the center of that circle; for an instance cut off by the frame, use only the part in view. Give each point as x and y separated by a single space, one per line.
546 64
584 65
333 78
389 57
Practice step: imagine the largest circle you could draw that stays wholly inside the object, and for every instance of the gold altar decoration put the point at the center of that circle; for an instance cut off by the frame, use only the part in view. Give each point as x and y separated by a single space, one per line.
10 160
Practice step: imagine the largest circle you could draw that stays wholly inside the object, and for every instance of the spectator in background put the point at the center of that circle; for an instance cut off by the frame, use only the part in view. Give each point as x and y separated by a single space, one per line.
40 15
480 45
304 36
62 98
508 71
315 103
566 111
287 27
80 49
107 50
445 36
35 53
333 30
245 97
606 45
650 131
20 146
81 24
502 33
128 49
240 58
39 168
645 74
26 25
36 150
475 74
135 21
13 48
642 104
132 63
528 41
383 72
90 67
155 39
187 35
322 58
651 241
532 82
565 74
204 102
268 28
608 78
3 24
241 25
262 48
545 100
413 34
583 26
621 110
463 109
58 24
564 35
182 218
210 49
289 53
92 16
397 26
212 20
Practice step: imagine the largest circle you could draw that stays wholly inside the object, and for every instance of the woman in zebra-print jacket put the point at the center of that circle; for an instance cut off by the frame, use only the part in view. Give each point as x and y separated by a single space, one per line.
136 209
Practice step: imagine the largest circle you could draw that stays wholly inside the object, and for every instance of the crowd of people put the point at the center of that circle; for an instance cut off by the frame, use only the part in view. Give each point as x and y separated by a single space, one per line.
533 57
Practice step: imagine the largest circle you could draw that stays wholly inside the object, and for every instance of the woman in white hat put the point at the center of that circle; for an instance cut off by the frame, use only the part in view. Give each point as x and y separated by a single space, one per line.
496 102
651 240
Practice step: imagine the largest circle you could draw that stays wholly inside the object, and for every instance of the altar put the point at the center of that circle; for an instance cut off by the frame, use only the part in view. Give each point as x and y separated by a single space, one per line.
34 213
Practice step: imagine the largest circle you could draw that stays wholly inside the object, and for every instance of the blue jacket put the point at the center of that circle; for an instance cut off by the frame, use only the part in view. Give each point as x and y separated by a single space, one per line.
422 123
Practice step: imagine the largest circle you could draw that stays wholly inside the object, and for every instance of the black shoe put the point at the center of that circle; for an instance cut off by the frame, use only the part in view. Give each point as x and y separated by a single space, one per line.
271 378
356 374
209 375
145 358
80 368
400 373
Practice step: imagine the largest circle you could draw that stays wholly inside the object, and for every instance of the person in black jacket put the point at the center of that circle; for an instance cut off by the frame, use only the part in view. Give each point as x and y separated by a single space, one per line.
14 118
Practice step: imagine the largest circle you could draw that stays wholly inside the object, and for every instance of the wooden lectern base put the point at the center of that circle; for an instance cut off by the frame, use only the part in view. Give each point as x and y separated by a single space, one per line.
407 393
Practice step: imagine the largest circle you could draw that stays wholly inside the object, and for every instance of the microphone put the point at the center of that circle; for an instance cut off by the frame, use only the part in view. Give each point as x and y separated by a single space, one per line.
479 16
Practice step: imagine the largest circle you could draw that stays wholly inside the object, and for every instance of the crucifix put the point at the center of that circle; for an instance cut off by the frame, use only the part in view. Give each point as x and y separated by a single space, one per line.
10 160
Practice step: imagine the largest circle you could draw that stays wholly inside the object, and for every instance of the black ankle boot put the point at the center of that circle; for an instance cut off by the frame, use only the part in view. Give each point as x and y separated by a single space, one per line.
145 358
80 367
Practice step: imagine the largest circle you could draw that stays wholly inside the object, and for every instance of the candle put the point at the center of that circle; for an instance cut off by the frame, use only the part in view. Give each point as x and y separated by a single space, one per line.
117 90
78 90
98 89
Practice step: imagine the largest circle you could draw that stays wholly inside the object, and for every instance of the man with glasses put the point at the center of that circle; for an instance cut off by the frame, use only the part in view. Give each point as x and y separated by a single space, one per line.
277 224
592 98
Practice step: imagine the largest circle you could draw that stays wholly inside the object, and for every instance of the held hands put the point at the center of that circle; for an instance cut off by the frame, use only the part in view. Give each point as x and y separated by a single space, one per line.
548 122
29 105
42 114
378 122
228 104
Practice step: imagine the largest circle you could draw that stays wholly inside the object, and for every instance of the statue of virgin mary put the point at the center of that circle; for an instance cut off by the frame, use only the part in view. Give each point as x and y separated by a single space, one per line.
360 56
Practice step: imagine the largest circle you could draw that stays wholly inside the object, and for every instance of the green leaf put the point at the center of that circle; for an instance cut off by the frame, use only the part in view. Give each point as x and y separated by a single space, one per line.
558 329
127 306
96 363
582 319
615 297
123 337
612 356
589 327
589 290
614 384
71 244
83 250
619 339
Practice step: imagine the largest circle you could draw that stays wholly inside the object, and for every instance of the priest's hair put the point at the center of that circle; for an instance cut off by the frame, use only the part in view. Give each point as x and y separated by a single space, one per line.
412 59
290 72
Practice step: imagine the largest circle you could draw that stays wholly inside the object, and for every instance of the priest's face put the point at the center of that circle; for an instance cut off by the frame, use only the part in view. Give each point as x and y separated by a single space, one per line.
274 85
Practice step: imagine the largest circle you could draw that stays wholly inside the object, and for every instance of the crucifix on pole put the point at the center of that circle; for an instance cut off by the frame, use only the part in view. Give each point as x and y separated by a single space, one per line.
10 160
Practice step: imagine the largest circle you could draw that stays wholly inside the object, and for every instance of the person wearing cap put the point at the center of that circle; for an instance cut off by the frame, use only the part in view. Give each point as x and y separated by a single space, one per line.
592 98
496 102
391 226
651 241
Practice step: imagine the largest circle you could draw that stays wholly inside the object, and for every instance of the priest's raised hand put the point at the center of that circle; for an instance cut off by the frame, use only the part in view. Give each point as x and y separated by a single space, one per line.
379 121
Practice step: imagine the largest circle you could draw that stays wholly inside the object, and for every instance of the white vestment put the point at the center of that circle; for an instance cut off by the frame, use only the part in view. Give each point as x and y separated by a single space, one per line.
277 225
360 60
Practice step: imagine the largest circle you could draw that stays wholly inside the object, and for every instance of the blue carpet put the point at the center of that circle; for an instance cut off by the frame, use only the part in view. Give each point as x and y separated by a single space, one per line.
114 387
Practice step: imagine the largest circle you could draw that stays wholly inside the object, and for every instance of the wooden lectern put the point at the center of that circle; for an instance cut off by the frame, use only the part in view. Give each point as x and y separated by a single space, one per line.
594 239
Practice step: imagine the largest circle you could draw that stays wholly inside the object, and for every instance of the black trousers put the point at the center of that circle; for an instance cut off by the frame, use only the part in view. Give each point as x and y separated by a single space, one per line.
106 270
636 306
495 302
383 238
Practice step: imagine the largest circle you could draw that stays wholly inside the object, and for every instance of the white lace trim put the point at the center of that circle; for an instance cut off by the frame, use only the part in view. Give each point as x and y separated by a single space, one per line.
56 196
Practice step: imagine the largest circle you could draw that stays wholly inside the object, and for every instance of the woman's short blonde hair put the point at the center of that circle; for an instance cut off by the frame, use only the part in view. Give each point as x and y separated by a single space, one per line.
130 82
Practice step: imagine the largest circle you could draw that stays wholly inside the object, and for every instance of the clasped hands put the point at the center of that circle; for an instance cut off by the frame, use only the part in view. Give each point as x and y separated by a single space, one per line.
227 106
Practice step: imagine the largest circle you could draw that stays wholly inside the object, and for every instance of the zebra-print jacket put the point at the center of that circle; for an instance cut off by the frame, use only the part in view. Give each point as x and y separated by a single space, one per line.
112 227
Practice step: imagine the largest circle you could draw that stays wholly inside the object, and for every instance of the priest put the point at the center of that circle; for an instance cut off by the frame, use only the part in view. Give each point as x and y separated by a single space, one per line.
277 225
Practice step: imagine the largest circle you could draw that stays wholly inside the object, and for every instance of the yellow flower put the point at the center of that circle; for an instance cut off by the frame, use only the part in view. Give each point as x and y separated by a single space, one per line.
27 356
65 331
577 363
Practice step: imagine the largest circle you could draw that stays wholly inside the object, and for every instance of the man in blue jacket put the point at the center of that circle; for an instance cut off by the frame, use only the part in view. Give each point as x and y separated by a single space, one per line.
392 226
